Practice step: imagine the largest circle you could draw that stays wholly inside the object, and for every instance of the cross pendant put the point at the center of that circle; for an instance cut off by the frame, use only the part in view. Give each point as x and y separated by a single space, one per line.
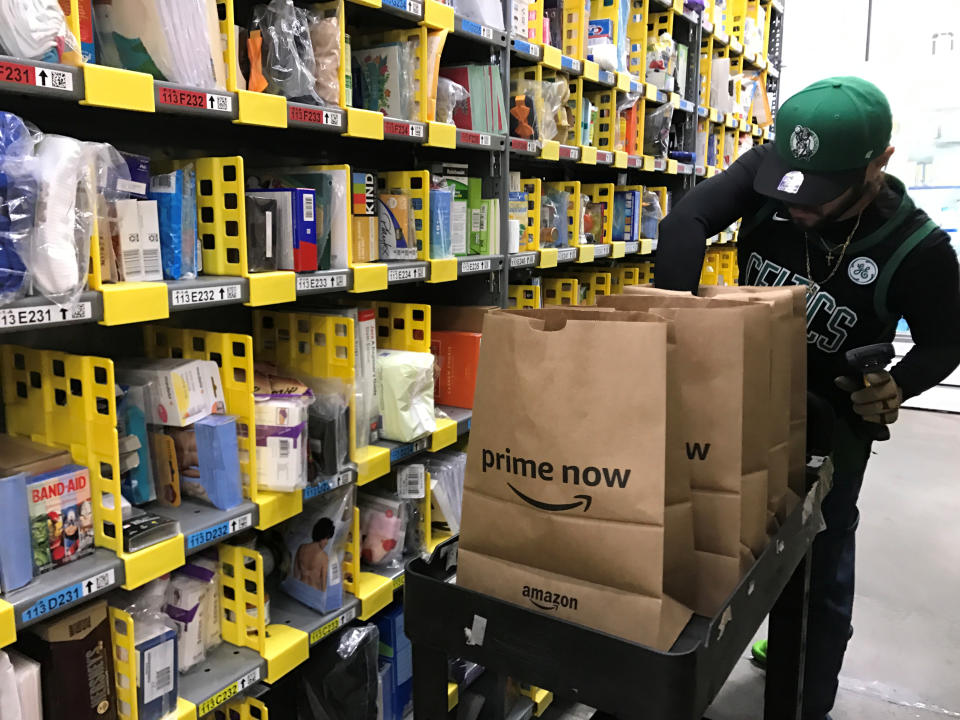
829 257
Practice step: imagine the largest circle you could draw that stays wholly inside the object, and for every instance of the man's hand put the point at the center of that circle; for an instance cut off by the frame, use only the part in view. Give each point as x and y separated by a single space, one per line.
880 402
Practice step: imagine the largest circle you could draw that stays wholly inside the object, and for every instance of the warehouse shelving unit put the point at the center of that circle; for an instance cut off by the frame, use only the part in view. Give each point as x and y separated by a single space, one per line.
133 110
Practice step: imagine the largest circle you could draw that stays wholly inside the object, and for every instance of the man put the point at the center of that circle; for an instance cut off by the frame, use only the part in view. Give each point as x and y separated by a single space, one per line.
312 562
818 210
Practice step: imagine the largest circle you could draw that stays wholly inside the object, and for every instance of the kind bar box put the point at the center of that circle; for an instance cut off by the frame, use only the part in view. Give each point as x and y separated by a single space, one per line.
76 664
366 217
184 390
61 516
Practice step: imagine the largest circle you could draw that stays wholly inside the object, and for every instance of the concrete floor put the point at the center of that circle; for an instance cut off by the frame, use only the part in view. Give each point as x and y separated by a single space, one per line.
904 659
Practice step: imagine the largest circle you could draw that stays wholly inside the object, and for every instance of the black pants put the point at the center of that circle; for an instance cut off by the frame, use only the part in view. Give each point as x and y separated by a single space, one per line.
832 574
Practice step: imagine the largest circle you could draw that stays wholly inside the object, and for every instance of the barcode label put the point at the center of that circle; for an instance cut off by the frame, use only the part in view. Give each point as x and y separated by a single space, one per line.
414 8
129 186
323 631
601 251
411 482
522 260
59 80
334 578
308 207
416 130
157 670
475 266
152 269
132 268
219 103
43 315
284 448
566 254
198 296
402 274
162 183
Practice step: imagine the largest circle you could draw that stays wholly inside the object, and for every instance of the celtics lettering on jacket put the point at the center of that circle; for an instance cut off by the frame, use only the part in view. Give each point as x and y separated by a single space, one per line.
831 320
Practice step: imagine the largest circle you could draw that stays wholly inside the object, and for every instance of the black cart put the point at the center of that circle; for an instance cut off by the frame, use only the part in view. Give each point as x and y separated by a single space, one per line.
619 678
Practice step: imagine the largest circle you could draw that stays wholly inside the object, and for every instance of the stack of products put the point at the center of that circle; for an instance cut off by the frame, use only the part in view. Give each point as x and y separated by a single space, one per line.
282 229
282 415
173 40
37 30
447 470
483 110
474 219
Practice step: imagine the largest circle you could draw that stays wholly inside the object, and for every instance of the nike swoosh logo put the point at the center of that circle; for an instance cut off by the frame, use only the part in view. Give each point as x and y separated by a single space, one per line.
585 500
776 216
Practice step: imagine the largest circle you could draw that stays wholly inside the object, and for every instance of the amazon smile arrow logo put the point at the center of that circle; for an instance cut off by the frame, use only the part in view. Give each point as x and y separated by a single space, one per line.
584 500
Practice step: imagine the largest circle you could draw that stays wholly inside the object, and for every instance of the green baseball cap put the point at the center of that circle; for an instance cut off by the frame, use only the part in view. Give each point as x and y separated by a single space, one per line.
826 135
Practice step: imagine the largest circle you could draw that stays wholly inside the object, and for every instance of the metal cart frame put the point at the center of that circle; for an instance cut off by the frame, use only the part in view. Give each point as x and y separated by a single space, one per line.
619 678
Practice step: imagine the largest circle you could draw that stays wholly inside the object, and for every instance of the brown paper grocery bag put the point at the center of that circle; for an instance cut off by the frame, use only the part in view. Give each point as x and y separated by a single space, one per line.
567 507
788 389
723 360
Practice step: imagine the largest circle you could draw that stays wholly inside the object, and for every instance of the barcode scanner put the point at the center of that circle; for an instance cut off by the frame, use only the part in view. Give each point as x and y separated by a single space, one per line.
868 359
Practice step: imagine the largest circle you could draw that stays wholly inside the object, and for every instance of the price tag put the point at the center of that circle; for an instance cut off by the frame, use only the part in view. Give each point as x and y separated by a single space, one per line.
407 274
321 282
601 250
199 296
73 593
411 482
416 130
228 692
526 260
327 484
221 530
44 315
338 622
567 254
474 266
313 116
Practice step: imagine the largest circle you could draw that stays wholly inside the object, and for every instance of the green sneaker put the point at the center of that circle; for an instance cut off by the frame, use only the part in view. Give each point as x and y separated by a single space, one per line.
759 651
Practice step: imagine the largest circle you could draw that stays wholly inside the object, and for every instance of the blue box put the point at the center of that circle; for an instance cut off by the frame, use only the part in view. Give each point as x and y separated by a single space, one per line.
219 460
626 215
395 648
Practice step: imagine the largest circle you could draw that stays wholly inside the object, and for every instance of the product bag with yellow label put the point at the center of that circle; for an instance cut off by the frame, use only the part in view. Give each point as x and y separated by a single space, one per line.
569 508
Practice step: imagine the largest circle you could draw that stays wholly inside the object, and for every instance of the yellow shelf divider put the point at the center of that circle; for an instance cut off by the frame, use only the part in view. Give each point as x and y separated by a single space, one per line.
133 302
366 124
8 624
585 254
618 248
438 16
552 57
272 288
369 277
588 155
550 150
548 258
445 434
620 159
254 108
443 270
442 135
453 696
186 710
117 88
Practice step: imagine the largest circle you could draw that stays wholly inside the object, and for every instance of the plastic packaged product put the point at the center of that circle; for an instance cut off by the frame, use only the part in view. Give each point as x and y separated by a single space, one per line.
441 234
263 227
175 195
61 249
136 465
206 570
155 649
383 527
34 30
484 12
397 227
651 215
553 219
447 471
288 62
555 123
435 42
185 599
61 516
656 130
282 419
405 394
449 95
329 429
385 79
315 542
593 219
662 61
18 205
16 557
208 456
325 37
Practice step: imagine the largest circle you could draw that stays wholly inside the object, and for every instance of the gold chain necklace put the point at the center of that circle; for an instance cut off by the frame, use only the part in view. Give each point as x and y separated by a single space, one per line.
843 250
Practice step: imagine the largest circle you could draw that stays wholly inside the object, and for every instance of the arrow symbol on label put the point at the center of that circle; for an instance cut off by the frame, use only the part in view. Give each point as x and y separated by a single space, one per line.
89 586
221 293
233 525
211 102
43 77
63 313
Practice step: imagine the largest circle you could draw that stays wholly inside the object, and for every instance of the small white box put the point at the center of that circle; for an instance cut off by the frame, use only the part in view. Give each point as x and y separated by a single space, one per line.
149 240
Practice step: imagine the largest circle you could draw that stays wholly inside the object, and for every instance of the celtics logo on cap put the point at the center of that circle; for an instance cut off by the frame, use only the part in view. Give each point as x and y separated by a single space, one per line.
862 270
804 143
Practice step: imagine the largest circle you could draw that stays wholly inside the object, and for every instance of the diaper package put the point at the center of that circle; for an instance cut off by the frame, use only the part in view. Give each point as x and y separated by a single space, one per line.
383 527
282 415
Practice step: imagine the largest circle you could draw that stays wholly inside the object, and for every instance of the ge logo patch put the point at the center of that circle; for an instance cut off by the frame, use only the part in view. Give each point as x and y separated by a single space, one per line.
862 270
804 143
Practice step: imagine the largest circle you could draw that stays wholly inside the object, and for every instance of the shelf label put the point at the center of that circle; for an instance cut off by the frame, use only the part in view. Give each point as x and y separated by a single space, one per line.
403 127
407 273
568 254
67 595
526 260
314 116
417 130
529 146
604 157
631 247
474 266
601 250
44 315
659 164
195 99
569 63
321 282
40 77
475 138
569 152
634 161
328 484
405 451
338 622
197 296
414 8
221 530
476 29
228 692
